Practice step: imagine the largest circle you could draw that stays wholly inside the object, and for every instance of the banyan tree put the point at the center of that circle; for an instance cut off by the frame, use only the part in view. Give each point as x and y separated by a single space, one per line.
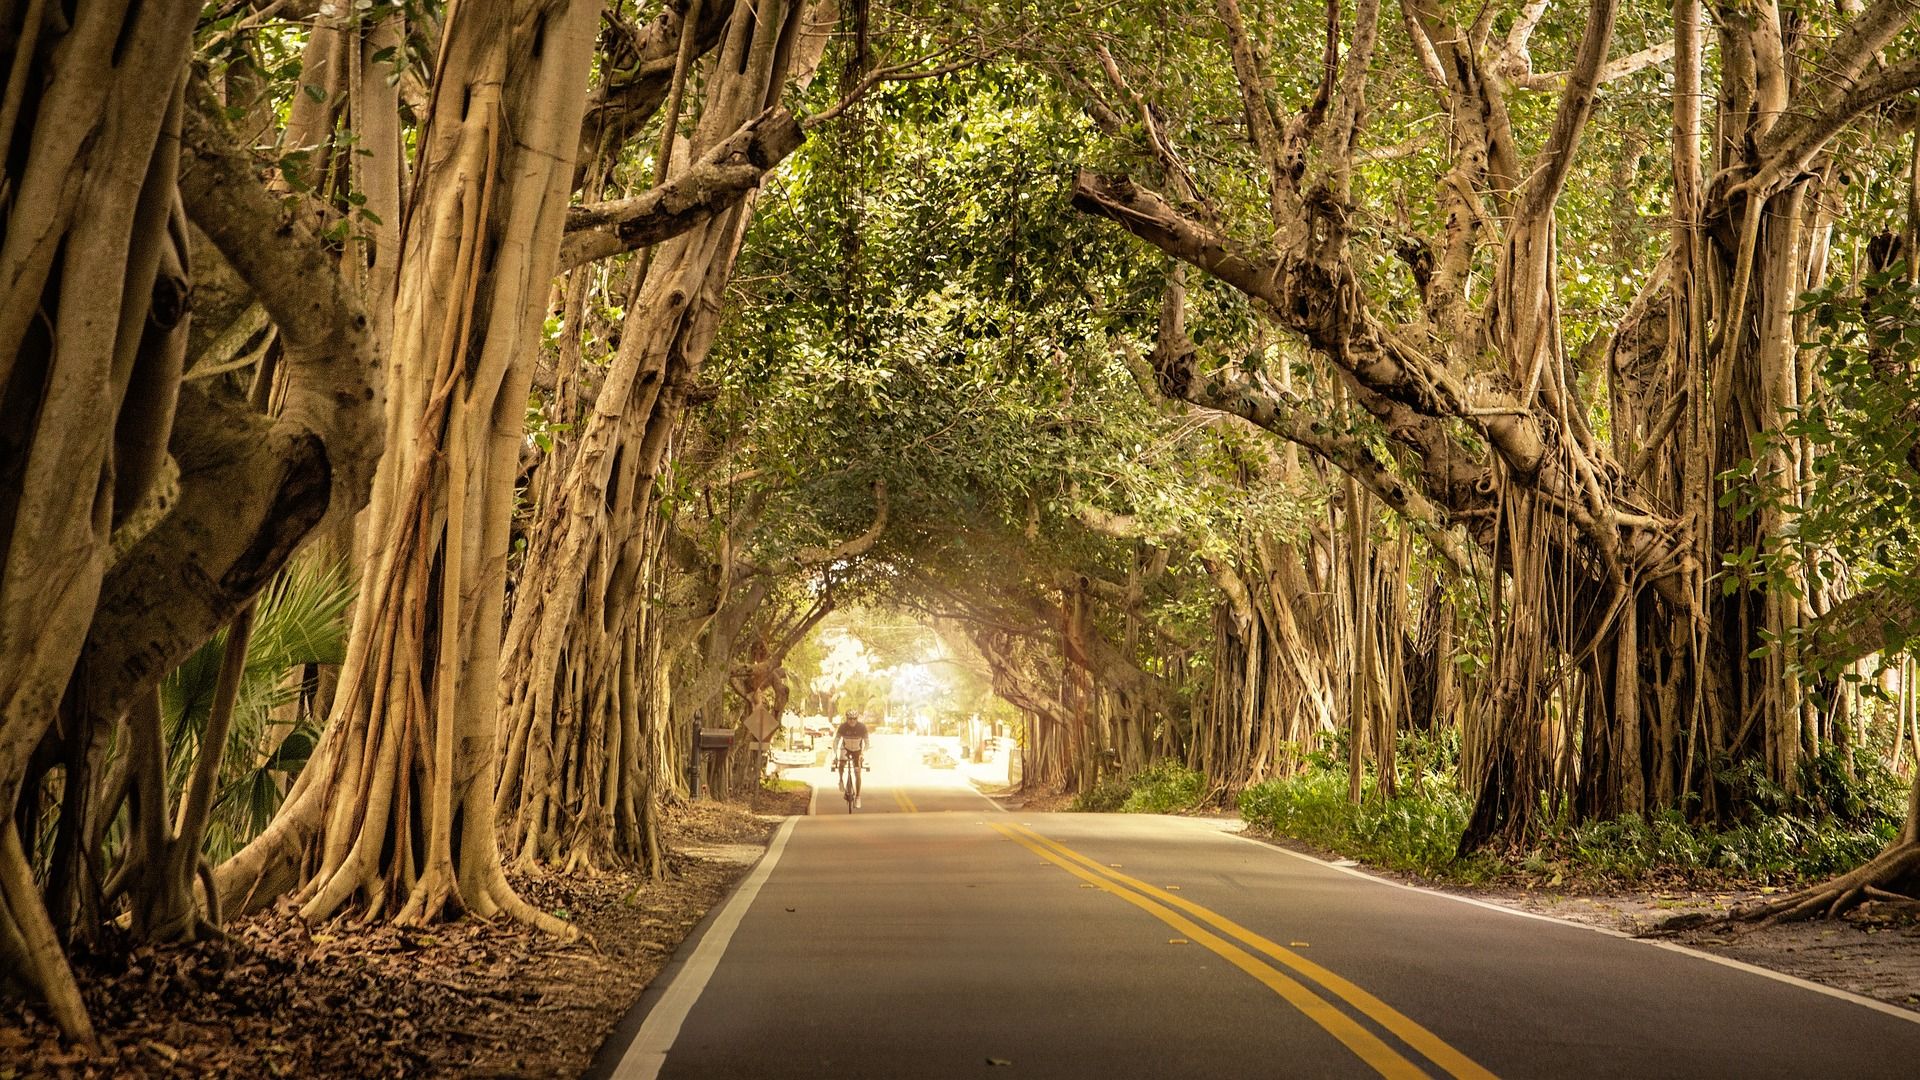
1228 387
1606 546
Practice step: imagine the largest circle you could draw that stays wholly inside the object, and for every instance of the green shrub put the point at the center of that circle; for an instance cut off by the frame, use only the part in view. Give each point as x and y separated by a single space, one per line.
1164 788
1781 847
1104 797
1839 815
1417 831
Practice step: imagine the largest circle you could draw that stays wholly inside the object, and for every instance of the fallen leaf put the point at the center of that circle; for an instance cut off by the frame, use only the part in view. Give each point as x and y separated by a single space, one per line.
1178 941
1298 944
999 1061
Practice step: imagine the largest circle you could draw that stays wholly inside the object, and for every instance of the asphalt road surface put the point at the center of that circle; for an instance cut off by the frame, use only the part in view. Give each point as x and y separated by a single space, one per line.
931 934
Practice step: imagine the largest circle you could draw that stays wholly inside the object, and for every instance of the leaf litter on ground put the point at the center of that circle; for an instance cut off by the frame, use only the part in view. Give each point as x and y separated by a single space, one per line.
281 998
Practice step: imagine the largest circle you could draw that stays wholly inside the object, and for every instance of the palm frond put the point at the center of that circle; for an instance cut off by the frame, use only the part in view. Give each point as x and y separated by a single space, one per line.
301 620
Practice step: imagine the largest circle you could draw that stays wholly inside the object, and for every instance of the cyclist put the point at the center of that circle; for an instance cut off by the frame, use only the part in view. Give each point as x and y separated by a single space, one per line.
850 750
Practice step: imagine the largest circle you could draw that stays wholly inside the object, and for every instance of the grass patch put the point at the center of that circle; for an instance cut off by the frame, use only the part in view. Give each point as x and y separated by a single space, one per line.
775 783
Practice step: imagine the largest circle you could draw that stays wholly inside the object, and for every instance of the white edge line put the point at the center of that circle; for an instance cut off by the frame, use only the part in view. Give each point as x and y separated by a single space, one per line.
991 801
648 1050
1725 961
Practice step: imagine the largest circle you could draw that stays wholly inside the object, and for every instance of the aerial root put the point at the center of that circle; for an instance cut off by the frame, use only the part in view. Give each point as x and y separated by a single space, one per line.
203 870
25 930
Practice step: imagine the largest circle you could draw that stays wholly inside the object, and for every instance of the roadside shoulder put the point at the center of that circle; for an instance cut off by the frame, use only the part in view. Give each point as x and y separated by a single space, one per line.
1873 954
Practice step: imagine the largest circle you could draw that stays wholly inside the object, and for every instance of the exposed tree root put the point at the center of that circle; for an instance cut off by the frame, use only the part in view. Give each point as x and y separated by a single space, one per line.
1892 875
1890 878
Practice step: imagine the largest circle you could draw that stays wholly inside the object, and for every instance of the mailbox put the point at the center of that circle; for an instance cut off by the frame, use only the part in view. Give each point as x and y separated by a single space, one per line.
716 738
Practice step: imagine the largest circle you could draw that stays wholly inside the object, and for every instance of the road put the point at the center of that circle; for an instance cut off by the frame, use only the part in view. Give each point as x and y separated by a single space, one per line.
932 934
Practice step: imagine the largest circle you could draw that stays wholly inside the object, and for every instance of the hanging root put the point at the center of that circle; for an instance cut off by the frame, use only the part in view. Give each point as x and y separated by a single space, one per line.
29 944
209 926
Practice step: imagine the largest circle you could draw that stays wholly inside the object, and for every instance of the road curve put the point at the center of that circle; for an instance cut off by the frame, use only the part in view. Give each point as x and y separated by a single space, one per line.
931 935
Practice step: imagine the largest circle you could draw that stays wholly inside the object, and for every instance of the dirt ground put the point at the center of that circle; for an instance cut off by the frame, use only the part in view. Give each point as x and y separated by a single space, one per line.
1873 951
283 999
1041 803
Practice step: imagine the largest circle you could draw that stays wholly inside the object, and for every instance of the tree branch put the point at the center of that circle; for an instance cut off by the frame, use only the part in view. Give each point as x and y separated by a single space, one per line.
1324 305
910 71
1576 108
1616 69
718 180
858 545
1256 399
1863 624
1792 144
334 382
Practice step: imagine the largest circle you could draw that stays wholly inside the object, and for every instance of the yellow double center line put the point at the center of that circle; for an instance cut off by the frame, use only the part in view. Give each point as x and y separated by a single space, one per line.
906 803
1174 911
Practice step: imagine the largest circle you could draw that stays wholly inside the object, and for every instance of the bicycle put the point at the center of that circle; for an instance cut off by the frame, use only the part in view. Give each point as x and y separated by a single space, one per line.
850 766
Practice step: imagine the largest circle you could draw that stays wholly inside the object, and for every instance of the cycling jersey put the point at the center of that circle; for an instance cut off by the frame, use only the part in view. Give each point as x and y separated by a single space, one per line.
852 735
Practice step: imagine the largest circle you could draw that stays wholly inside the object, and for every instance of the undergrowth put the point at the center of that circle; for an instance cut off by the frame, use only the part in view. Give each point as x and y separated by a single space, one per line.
1838 817
1416 831
1165 787
1776 849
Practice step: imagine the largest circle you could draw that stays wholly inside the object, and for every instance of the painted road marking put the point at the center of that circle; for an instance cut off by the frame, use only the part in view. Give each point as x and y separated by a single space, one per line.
1365 1044
906 803
1434 1048
648 1050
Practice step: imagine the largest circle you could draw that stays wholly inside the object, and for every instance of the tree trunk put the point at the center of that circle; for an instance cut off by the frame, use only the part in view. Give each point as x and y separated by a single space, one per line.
395 812
669 326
